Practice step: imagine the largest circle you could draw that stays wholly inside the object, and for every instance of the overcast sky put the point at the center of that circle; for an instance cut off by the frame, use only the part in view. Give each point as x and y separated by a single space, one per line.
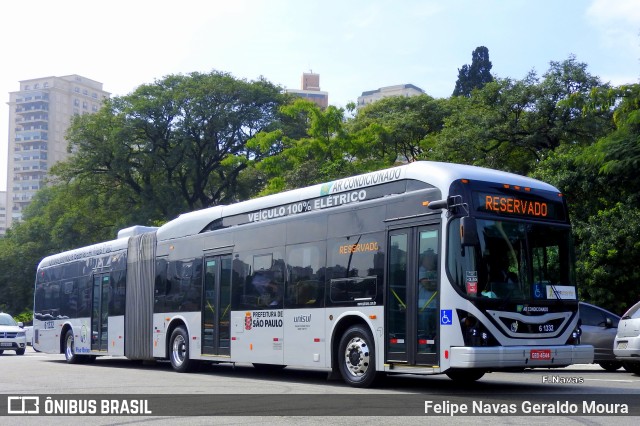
355 45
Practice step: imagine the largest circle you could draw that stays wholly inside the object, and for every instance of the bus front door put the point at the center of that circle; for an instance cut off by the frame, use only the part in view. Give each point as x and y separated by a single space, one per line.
216 308
100 312
412 308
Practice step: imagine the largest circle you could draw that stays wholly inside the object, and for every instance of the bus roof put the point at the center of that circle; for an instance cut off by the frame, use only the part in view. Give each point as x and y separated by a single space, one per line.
84 252
440 175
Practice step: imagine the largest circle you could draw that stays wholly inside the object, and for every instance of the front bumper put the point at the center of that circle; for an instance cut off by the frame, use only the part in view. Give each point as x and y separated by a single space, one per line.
627 348
11 346
504 357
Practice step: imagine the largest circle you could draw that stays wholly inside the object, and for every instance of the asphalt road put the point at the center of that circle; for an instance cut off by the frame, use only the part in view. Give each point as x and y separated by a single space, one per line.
292 395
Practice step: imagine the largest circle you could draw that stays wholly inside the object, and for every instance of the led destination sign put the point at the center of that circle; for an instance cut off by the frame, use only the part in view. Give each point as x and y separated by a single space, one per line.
516 205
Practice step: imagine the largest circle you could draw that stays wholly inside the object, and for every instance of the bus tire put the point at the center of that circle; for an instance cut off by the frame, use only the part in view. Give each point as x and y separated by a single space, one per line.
357 357
610 366
632 367
70 348
179 350
465 375
1 351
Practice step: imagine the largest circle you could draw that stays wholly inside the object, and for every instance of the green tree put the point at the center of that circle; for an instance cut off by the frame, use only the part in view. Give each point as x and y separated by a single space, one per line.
17 273
513 124
392 129
476 75
176 145
489 128
323 153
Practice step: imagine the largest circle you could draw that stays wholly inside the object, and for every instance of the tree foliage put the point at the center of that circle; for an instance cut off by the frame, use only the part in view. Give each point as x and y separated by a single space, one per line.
476 75
514 124
393 129
176 145
323 153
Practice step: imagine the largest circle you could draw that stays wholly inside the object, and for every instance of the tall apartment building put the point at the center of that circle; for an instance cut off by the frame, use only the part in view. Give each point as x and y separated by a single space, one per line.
384 92
310 90
39 115
3 212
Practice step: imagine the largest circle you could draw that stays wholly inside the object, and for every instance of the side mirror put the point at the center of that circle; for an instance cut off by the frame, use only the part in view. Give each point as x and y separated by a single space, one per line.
21 325
608 323
468 232
435 205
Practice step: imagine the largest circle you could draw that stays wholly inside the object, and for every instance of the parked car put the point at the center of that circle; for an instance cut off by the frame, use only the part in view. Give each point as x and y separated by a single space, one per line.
12 335
627 342
599 328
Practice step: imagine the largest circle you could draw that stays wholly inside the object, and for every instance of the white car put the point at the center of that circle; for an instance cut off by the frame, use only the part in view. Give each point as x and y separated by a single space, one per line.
626 346
12 335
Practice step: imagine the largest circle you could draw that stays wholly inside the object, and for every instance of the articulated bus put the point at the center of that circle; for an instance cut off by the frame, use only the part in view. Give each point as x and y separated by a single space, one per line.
425 268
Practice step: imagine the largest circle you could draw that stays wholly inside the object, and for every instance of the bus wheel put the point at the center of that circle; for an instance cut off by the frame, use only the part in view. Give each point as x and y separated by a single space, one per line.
70 348
632 367
464 375
179 350
610 365
357 358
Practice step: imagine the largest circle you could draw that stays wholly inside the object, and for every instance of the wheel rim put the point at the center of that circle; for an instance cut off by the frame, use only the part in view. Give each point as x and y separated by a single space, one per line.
70 349
179 350
356 357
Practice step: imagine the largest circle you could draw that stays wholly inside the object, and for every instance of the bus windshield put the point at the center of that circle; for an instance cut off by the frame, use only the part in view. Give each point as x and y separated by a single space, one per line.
513 261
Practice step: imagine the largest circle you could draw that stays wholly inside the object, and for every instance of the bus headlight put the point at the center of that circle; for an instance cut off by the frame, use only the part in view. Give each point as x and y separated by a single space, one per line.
474 332
574 339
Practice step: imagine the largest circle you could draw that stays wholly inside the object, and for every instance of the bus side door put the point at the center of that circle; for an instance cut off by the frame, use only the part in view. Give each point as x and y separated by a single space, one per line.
216 308
412 299
100 312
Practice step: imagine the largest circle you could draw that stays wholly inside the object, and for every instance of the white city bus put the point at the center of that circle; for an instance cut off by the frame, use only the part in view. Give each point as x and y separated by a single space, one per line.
424 268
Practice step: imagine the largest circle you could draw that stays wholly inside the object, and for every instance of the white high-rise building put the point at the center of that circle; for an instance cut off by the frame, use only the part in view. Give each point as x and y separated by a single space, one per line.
39 115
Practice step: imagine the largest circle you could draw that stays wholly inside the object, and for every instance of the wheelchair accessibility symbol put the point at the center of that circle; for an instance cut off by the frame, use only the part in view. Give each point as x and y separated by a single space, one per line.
537 291
446 316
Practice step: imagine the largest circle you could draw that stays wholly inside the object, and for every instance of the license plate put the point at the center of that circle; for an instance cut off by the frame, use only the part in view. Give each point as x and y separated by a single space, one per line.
622 345
540 354
6 344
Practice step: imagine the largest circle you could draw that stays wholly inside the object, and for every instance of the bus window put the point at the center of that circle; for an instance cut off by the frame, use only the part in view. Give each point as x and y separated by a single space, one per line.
356 271
118 283
184 286
84 296
305 286
160 285
68 299
512 261
428 305
260 280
